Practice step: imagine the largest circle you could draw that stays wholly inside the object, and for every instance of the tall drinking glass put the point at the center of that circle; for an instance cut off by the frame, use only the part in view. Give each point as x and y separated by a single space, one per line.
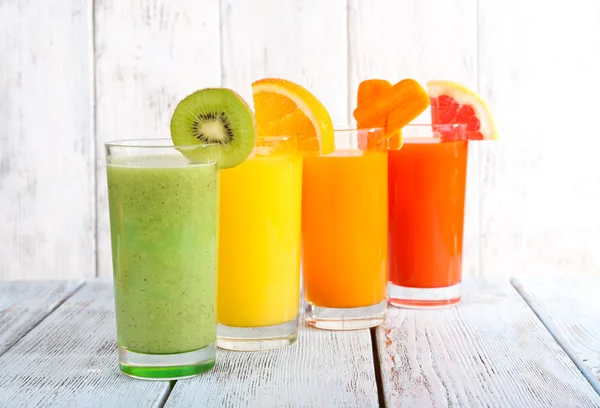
345 232
163 221
259 257
427 180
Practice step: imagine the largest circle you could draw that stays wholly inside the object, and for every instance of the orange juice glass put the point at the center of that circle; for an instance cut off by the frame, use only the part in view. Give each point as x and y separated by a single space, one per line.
345 232
427 180
258 287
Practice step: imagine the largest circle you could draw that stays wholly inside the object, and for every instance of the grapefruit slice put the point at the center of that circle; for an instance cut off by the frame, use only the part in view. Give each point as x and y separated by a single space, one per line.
452 102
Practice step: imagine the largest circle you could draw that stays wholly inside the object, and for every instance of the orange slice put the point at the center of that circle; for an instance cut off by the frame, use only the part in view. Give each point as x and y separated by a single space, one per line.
452 102
284 108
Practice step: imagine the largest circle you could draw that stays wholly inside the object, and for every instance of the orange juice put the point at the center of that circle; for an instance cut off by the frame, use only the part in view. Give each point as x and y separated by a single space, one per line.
345 229
259 243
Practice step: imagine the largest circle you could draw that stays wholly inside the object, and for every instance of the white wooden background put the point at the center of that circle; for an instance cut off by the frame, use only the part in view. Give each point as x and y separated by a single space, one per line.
77 73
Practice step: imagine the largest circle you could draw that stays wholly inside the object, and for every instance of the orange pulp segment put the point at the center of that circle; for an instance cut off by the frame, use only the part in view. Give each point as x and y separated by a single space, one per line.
284 108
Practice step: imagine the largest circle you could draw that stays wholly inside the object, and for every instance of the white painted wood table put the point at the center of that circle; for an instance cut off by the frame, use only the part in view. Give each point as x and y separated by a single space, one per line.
530 344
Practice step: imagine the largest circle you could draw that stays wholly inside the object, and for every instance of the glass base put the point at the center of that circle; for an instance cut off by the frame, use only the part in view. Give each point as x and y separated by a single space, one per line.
351 318
257 338
167 366
423 298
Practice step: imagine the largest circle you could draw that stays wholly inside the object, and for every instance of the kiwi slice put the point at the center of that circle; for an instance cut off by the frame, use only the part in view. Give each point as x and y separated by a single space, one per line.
215 116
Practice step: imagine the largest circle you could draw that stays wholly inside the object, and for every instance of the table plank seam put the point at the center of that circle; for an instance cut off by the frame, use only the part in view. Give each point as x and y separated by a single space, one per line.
70 359
377 368
587 374
50 311
163 401
489 350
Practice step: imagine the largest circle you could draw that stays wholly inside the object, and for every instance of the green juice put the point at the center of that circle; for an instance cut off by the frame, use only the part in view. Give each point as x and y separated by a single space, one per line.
163 221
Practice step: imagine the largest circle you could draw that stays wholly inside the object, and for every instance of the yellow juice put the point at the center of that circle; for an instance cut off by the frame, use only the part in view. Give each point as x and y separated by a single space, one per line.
259 242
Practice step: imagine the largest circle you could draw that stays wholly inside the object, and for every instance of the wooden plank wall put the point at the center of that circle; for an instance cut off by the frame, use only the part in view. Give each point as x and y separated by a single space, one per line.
47 154
75 74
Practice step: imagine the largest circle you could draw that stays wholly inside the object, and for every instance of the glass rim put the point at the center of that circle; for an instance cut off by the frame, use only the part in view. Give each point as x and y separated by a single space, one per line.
435 124
153 143
276 138
428 130
431 126
350 129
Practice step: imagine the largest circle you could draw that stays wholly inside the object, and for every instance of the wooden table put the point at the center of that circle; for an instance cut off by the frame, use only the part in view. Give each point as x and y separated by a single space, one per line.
532 343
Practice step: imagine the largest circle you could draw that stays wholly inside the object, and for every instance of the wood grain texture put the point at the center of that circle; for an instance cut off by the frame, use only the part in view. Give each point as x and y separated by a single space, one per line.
46 140
570 310
540 185
437 39
303 41
322 369
489 351
535 197
24 304
150 54
70 360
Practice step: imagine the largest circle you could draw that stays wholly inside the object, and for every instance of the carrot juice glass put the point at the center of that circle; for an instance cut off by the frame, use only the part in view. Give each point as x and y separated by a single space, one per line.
345 232
259 248
427 178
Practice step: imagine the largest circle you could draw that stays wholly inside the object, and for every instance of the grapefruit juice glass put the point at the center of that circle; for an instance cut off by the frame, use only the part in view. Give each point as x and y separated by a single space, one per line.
427 179
259 256
345 232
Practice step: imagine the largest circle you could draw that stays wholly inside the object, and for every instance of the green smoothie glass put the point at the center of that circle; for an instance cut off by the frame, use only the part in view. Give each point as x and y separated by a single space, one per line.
164 216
